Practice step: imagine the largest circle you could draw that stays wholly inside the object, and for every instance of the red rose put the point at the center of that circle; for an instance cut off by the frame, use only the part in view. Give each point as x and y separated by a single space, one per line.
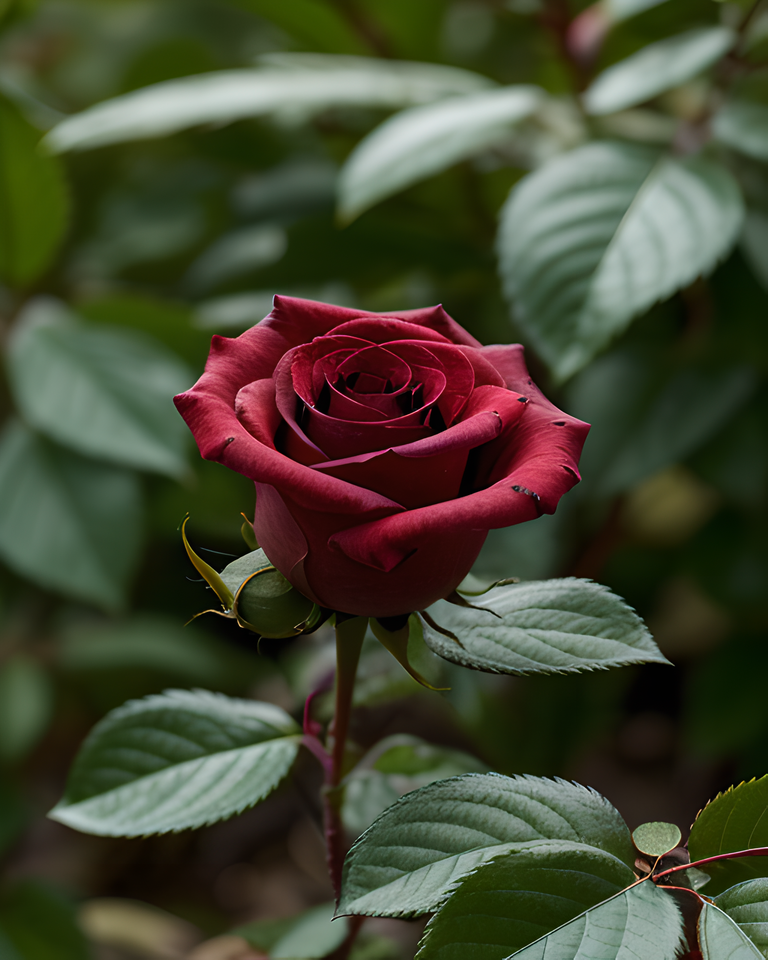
384 447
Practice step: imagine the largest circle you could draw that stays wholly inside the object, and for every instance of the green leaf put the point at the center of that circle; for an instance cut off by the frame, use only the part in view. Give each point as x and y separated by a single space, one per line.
754 244
407 861
747 905
657 67
642 921
178 760
515 899
395 766
656 838
26 701
105 392
600 234
734 820
722 939
422 141
314 22
69 523
34 203
743 125
308 936
543 626
39 924
289 85
624 9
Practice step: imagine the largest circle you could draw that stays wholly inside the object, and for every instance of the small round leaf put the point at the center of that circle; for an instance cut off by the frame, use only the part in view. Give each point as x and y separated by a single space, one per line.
656 838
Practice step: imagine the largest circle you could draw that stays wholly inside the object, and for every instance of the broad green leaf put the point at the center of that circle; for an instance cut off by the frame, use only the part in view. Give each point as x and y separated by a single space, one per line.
292 86
656 838
743 125
600 234
69 523
395 766
641 922
747 905
624 9
722 939
407 861
105 392
515 899
178 760
657 67
308 936
26 701
419 142
39 924
34 203
543 626
734 820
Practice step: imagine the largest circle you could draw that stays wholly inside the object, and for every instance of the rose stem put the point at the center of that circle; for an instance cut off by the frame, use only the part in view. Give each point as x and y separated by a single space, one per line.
349 640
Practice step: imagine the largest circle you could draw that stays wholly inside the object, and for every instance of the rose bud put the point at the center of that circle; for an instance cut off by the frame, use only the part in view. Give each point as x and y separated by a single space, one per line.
384 447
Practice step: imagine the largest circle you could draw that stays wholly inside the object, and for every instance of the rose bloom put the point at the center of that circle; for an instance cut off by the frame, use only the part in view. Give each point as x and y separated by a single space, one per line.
384 447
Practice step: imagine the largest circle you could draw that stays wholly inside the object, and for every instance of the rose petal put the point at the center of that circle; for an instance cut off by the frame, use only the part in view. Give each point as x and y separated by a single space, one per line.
256 410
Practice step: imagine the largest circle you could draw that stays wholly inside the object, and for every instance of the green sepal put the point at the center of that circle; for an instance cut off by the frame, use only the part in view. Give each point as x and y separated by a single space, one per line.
207 572
247 534
265 602
396 641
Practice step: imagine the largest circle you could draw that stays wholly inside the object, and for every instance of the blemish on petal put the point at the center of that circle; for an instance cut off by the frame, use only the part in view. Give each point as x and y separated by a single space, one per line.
522 399
558 423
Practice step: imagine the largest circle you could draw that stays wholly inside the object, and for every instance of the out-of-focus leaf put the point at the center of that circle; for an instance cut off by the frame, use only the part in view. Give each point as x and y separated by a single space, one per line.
395 766
294 188
180 760
508 903
600 234
747 905
419 142
25 705
107 393
657 67
290 86
743 125
544 626
720 937
624 9
34 203
407 861
734 820
237 253
68 523
13 815
754 243
643 921
40 924
315 23
310 935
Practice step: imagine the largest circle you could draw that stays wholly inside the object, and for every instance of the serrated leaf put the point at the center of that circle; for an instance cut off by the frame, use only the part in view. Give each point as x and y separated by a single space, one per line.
642 921
656 68
178 760
747 904
288 85
105 392
515 899
743 125
407 861
422 141
68 523
600 234
543 626
734 820
34 203
656 838
720 938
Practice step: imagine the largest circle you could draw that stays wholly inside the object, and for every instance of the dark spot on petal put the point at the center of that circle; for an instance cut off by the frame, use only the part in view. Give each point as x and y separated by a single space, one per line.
522 399
530 383
558 423
229 440
529 493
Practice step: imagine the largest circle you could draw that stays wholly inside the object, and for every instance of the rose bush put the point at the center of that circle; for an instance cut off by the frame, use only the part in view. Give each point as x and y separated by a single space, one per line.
384 447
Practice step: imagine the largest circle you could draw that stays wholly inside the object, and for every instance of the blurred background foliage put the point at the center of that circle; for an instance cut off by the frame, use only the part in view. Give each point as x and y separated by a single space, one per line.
133 233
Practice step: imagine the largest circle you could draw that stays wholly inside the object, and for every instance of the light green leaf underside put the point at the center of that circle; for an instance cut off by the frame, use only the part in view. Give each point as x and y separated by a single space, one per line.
515 899
291 86
657 67
308 936
424 140
747 905
543 626
656 838
68 523
178 760
735 820
34 203
105 392
641 922
624 9
743 125
722 939
600 234
406 862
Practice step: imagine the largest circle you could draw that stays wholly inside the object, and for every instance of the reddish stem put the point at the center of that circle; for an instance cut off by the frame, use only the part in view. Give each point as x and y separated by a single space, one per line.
754 852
